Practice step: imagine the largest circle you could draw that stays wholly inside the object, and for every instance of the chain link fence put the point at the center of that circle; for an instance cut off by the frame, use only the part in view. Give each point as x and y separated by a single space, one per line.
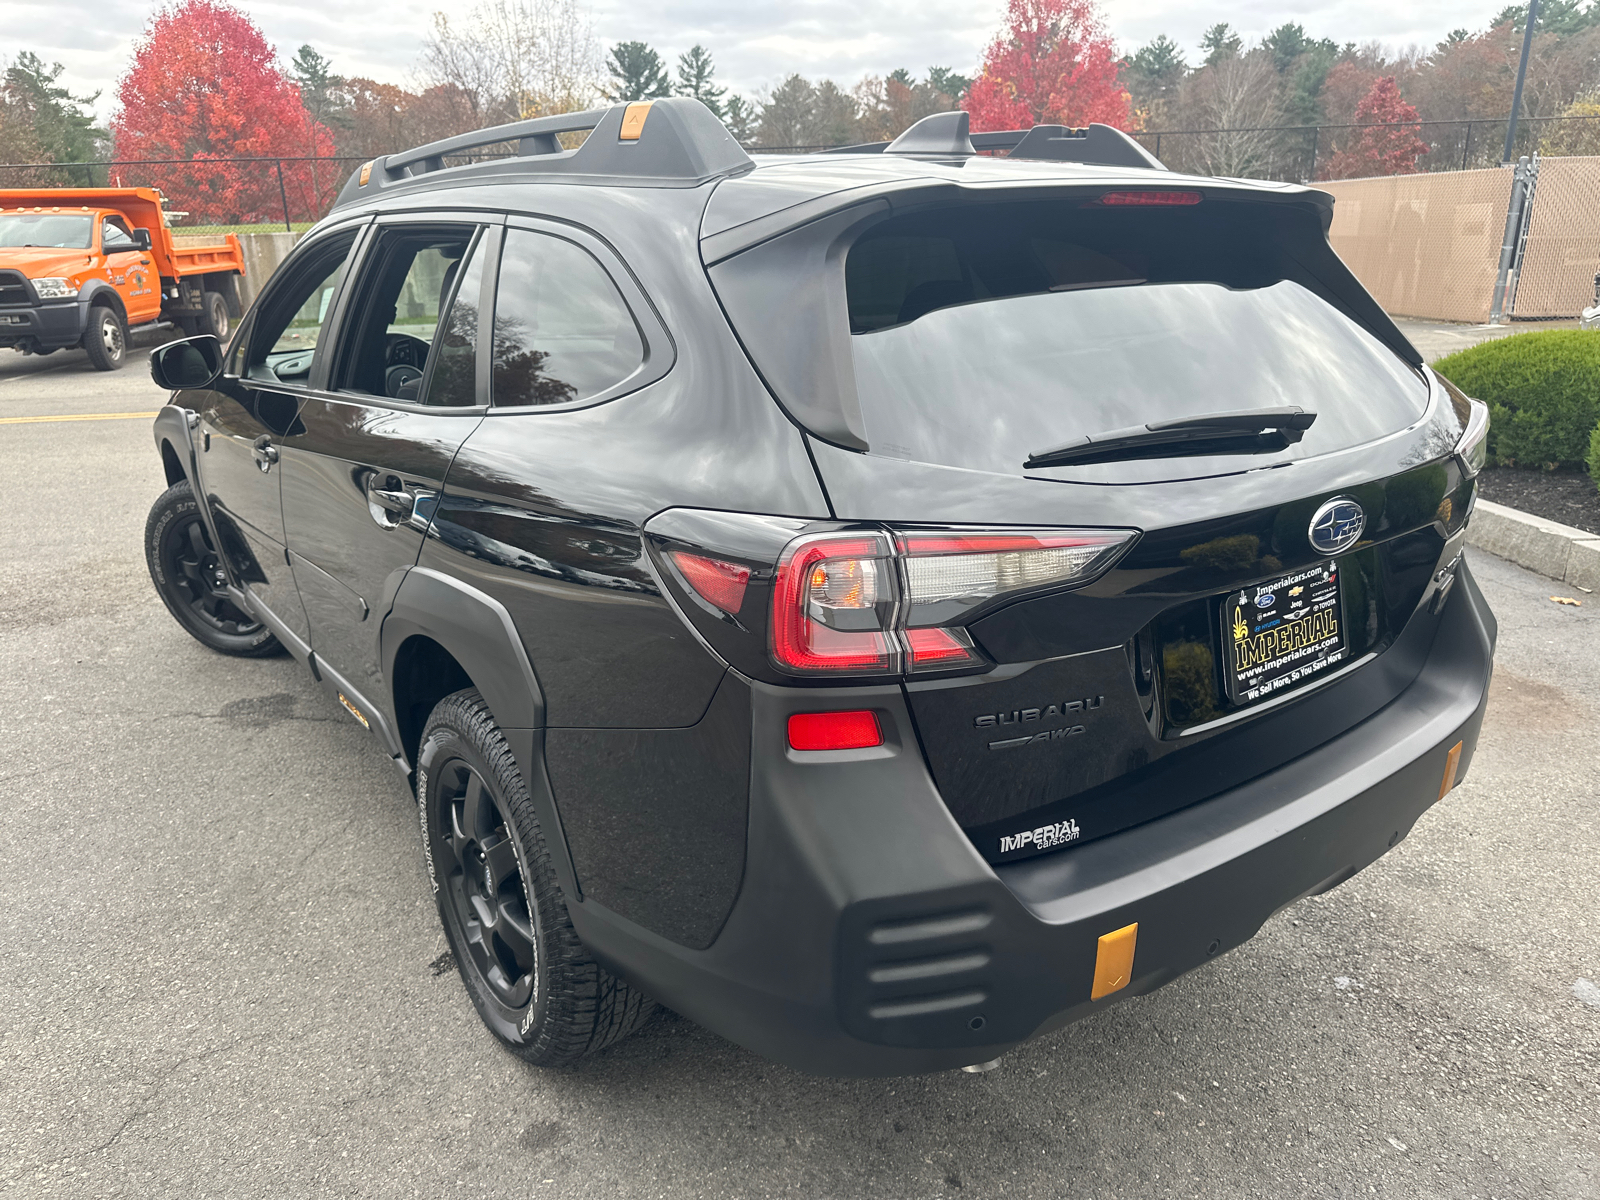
1556 276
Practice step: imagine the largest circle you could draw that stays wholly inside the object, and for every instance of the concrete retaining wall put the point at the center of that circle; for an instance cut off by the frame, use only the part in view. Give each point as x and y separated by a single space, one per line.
262 254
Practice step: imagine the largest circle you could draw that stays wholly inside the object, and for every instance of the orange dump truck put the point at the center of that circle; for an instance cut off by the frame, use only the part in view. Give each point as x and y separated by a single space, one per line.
85 266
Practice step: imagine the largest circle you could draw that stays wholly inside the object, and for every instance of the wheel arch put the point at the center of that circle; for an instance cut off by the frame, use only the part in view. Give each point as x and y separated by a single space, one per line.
171 463
102 296
433 615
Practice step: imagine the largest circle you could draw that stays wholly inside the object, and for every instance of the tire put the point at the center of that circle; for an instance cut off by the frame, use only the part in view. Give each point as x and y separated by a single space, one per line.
183 566
106 339
214 316
530 978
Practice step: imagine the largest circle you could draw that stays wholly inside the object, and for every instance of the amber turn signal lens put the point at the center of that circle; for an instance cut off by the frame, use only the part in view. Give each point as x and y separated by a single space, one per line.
1452 763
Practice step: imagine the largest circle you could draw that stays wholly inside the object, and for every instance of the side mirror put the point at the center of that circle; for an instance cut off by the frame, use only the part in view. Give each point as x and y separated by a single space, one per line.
141 237
192 363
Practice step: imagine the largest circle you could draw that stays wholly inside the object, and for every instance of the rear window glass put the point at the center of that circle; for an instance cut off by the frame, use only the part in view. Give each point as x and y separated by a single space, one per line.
984 334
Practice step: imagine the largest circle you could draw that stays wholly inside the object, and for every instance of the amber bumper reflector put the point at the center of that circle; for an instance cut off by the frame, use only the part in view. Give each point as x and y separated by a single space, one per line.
1451 762
1113 962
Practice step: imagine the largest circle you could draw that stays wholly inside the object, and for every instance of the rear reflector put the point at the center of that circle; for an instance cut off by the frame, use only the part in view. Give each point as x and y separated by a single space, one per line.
1150 199
1113 961
720 584
835 731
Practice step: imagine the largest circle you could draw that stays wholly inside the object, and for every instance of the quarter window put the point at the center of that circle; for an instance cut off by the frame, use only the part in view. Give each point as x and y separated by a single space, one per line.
562 331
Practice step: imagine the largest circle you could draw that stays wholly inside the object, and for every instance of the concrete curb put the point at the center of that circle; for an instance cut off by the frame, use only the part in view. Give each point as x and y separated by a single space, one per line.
1548 547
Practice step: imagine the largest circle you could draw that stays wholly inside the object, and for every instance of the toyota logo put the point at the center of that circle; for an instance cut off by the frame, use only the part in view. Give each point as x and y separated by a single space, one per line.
1337 525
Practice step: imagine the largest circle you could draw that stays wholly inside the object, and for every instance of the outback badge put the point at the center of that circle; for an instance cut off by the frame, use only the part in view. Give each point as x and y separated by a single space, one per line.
1337 525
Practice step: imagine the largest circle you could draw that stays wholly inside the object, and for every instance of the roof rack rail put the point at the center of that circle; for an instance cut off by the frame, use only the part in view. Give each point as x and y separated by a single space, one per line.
669 142
946 135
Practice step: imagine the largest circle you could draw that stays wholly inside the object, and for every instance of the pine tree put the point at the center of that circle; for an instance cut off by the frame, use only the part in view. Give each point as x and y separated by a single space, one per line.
61 128
695 70
1220 42
319 87
637 73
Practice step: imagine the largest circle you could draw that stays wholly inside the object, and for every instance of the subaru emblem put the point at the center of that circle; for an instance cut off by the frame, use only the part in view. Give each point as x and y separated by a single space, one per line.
1337 525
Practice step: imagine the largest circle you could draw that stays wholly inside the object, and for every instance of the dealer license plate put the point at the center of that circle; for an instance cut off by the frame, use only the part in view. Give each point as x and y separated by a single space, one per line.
1283 633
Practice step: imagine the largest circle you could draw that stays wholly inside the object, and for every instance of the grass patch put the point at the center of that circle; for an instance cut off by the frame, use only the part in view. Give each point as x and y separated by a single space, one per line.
1543 393
219 230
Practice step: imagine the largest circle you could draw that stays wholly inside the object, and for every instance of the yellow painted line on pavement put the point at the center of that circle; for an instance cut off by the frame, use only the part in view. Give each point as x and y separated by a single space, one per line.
77 417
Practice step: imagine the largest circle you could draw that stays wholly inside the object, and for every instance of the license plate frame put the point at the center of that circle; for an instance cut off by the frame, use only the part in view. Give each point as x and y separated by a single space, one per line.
1297 635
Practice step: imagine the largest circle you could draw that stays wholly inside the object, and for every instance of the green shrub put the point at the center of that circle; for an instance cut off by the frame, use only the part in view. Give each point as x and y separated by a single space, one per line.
1594 455
1543 393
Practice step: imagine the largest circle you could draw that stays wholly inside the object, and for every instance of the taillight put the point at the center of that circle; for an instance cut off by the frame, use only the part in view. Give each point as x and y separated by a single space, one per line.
851 602
833 605
720 584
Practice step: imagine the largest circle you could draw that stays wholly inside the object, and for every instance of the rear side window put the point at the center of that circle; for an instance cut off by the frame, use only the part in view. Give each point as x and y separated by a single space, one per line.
562 331
982 334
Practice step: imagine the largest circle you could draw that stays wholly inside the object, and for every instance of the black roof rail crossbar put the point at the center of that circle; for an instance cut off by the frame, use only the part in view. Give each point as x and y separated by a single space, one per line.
938 136
534 136
675 142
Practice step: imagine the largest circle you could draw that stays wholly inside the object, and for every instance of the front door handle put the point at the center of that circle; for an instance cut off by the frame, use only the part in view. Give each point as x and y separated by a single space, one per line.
264 452
388 500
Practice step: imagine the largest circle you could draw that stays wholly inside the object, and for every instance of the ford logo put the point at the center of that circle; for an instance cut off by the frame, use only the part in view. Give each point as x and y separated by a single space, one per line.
1265 599
1337 525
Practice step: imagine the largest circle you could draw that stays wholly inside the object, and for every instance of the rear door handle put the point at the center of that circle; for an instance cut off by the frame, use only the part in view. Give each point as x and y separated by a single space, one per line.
264 452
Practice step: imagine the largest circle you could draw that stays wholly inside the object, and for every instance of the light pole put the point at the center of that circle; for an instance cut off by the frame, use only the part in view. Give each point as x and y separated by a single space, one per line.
1522 74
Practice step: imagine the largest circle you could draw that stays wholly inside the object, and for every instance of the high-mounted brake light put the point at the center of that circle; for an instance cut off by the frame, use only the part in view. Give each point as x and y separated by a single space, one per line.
720 584
1148 199
835 731
851 603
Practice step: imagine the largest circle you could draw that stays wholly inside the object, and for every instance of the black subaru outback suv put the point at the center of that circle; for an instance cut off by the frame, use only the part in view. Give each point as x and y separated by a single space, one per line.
884 605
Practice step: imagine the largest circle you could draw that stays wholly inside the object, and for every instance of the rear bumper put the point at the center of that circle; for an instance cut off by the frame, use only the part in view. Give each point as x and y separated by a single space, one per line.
870 938
42 326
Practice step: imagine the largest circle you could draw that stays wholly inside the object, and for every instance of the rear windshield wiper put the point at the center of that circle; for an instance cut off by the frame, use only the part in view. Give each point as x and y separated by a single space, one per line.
1255 431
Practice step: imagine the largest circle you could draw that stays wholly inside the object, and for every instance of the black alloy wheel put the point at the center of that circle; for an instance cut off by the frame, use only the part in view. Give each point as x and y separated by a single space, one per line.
485 890
189 578
504 913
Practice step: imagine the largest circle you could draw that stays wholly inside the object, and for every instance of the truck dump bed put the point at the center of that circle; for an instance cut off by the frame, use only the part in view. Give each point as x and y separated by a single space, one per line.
175 256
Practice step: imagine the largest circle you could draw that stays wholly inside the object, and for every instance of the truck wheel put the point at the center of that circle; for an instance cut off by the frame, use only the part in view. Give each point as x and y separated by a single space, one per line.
106 339
214 316
529 976
188 578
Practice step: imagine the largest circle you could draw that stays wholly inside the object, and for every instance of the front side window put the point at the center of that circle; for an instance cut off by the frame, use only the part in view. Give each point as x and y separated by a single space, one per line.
114 238
562 331
396 327
289 325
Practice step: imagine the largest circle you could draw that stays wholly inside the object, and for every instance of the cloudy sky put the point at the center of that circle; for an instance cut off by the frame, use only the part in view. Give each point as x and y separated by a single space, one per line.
754 44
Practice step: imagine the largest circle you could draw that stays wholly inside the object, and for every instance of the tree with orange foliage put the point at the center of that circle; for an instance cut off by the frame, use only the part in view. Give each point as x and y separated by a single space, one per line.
205 85
1390 146
1052 63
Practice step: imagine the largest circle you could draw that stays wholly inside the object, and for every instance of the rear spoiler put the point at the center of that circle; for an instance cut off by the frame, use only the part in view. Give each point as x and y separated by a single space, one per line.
948 135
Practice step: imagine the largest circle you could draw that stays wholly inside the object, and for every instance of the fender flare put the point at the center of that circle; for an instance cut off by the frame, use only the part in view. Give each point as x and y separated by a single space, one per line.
95 292
477 631
174 427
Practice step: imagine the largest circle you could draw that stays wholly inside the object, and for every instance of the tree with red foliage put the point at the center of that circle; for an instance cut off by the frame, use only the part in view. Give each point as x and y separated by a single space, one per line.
1052 63
205 85
1391 146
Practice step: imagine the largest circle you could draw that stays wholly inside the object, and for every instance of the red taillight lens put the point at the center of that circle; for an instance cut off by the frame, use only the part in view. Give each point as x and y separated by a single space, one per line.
848 602
720 584
1148 199
835 731
833 603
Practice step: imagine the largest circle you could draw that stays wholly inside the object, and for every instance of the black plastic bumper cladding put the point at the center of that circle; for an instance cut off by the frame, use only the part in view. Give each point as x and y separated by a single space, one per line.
870 938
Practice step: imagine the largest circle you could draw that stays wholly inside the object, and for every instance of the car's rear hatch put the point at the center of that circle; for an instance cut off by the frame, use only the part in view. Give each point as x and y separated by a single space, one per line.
933 342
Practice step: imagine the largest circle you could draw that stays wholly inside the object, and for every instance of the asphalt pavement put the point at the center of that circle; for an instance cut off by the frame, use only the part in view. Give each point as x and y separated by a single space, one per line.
223 974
